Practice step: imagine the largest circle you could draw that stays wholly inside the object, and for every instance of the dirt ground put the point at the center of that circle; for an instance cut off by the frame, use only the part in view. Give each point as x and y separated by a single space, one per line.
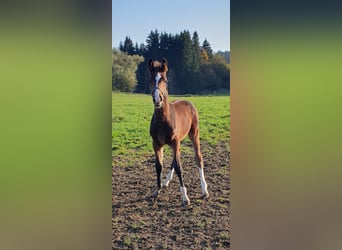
140 223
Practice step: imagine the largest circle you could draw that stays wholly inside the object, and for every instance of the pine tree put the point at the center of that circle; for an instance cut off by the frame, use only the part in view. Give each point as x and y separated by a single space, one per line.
206 46
164 45
142 49
152 47
185 72
127 46
196 53
136 49
187 51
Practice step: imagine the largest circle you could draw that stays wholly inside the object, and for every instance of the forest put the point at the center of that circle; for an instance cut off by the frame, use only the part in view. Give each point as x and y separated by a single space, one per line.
193 66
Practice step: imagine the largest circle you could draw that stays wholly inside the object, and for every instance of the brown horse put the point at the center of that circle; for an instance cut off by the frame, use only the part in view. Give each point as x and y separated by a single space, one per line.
170 124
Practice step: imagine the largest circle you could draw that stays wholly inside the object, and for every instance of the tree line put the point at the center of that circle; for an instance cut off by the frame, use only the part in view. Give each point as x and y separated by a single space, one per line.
193 66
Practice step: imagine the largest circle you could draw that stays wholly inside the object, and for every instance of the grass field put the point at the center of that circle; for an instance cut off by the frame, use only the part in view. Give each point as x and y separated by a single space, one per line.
139 222
131 115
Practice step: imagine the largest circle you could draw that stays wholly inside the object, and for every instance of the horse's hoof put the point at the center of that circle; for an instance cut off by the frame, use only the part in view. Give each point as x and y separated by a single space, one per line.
165 185
186 203
155 194
205 196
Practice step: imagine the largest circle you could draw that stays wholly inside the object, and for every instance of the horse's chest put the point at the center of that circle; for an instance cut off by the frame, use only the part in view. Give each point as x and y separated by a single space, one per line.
161 133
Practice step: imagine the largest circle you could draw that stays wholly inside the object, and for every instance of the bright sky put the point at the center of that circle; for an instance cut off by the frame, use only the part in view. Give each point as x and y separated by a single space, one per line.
136 19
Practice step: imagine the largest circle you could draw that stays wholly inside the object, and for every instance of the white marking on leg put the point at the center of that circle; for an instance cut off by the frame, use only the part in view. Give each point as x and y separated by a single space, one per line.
203 182
185 197
168 178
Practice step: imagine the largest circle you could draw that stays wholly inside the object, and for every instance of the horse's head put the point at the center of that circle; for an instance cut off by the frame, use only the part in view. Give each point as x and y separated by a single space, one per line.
158 81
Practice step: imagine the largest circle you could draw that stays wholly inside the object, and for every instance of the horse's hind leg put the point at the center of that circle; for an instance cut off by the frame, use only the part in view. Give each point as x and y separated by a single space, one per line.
177 166
159 167
194 137
168 177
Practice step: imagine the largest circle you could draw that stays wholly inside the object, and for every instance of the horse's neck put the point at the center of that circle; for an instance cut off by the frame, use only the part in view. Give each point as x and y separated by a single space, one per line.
163 114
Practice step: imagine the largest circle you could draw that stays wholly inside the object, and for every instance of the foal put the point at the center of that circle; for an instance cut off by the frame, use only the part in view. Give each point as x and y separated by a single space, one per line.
171 123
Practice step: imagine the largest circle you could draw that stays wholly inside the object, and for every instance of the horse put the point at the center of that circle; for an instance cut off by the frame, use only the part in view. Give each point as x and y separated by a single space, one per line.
171 122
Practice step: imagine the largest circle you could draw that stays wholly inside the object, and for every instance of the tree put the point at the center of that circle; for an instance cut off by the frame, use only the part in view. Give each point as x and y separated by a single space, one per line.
206 46
187 51
136 49
222 71
225 55
214 75
127 46
164 45
142 49
204 55
124 67
193 68
196 53
152 47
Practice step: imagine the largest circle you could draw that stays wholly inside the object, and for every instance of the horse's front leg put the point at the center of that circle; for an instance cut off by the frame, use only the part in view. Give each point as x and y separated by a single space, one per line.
159 167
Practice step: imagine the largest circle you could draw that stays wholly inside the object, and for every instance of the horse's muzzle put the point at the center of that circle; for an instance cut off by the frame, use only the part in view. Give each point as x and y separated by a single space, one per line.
157 105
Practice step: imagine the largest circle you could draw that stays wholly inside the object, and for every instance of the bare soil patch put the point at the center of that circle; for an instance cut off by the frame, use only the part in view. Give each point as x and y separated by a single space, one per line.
140 223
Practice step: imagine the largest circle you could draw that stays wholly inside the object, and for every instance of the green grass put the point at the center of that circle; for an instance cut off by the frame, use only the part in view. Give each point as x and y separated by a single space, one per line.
131 115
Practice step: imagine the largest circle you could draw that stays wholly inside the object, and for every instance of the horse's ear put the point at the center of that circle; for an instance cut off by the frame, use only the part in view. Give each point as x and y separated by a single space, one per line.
164 67
150 65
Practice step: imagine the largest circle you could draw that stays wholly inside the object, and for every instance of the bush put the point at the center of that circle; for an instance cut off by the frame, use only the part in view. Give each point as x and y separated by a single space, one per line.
124 67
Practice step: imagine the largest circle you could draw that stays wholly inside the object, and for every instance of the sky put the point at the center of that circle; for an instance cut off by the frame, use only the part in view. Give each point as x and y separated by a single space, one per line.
136 19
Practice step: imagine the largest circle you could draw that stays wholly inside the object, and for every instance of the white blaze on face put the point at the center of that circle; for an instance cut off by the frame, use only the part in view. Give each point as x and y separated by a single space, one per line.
156 92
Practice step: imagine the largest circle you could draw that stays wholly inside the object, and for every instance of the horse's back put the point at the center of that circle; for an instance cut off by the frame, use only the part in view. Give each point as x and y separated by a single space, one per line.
183 104
184 108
